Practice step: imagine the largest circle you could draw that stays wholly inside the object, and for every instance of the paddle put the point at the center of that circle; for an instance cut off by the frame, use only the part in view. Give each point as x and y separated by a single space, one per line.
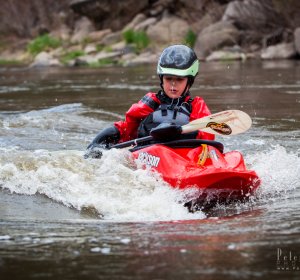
229 122
224 123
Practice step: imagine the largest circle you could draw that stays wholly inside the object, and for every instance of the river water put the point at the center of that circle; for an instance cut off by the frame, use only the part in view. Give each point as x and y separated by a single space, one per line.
66 217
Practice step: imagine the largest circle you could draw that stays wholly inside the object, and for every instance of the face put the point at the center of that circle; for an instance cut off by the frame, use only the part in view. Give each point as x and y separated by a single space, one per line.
174 85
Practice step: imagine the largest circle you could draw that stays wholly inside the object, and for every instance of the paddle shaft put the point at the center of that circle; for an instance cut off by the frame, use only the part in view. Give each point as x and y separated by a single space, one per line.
223 123
132 142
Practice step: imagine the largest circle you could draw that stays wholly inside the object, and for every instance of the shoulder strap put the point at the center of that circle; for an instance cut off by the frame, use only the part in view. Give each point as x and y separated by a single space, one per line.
150 102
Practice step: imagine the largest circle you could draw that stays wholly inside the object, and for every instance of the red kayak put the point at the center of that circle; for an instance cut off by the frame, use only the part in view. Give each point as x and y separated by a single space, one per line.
220 177
185 163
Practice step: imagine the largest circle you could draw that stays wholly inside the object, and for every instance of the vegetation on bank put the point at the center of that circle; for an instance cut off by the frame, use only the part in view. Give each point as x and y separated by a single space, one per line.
43 43
70 55
5 62
136 42
190 38
86 37
139 39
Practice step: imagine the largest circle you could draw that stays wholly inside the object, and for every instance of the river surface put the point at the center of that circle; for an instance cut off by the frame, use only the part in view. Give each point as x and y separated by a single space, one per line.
66 217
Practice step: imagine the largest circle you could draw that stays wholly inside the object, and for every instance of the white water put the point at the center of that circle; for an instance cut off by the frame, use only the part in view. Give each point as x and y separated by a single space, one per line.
111 186
120 192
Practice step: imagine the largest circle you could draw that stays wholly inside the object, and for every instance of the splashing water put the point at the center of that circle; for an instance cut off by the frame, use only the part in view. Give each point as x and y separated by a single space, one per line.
109 185
279 171
119 192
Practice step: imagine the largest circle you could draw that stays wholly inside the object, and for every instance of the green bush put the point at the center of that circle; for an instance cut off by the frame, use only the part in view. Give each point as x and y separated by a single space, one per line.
138 38
190 38
128 36
43 43
71 55
4 62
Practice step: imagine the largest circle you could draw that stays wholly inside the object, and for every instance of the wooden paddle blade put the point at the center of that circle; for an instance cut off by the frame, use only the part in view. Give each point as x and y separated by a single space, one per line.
224 123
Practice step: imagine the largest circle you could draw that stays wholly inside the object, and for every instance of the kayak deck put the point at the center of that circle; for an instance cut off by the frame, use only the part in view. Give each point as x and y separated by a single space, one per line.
221 176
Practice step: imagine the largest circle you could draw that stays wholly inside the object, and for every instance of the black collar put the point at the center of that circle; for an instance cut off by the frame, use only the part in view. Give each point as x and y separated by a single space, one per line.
163 98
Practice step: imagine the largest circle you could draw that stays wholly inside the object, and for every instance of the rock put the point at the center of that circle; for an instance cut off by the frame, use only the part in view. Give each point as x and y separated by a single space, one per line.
82 29
120 46
105 55
44 59
90 49
262 22
253 14
127 58
111 38
297 40
95 58
215 36
109 14
170 30
136 20
280 51
74 48
97 36
205 21
226 55
145 24
144 58
139 22
200 14
63 32
159 6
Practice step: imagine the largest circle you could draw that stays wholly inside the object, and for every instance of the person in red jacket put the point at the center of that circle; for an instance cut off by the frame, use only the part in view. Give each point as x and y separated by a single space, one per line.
177 68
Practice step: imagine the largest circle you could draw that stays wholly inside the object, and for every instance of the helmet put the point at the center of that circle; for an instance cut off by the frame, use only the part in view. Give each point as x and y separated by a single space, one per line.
178 60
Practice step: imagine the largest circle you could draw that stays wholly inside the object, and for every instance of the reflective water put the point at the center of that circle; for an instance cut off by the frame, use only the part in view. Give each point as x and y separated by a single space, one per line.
64 217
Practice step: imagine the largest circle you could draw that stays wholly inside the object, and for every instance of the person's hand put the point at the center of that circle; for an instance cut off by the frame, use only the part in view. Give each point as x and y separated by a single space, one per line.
103 140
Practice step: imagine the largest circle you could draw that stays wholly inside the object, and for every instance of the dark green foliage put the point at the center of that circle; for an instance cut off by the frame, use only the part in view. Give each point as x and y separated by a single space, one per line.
43 43
138 38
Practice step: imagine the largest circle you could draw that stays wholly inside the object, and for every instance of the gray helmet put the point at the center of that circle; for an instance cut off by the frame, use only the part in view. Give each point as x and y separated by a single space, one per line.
178 60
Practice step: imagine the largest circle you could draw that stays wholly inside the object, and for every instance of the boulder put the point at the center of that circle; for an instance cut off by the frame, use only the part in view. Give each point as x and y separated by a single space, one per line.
142 26
226 55
253 14
144 58
90 49
216 36
45 59
111 38
280 51
120 46
262 22
95 58
109 14
82 29
200 14
135 21
62 32
170 30
98 35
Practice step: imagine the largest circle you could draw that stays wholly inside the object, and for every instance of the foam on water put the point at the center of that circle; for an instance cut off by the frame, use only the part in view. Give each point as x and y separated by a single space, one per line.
116 190
119 191
279 171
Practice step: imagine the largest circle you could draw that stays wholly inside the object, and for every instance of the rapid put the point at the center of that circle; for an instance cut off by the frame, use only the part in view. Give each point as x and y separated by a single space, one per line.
105 216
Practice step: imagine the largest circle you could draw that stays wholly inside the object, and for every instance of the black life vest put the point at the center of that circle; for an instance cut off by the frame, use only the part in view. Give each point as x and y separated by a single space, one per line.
172 111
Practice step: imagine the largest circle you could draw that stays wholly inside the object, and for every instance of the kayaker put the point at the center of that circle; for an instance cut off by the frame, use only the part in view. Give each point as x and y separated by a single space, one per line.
177 68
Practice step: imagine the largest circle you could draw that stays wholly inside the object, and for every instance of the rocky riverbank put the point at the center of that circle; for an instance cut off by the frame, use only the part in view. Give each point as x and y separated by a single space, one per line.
97 33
